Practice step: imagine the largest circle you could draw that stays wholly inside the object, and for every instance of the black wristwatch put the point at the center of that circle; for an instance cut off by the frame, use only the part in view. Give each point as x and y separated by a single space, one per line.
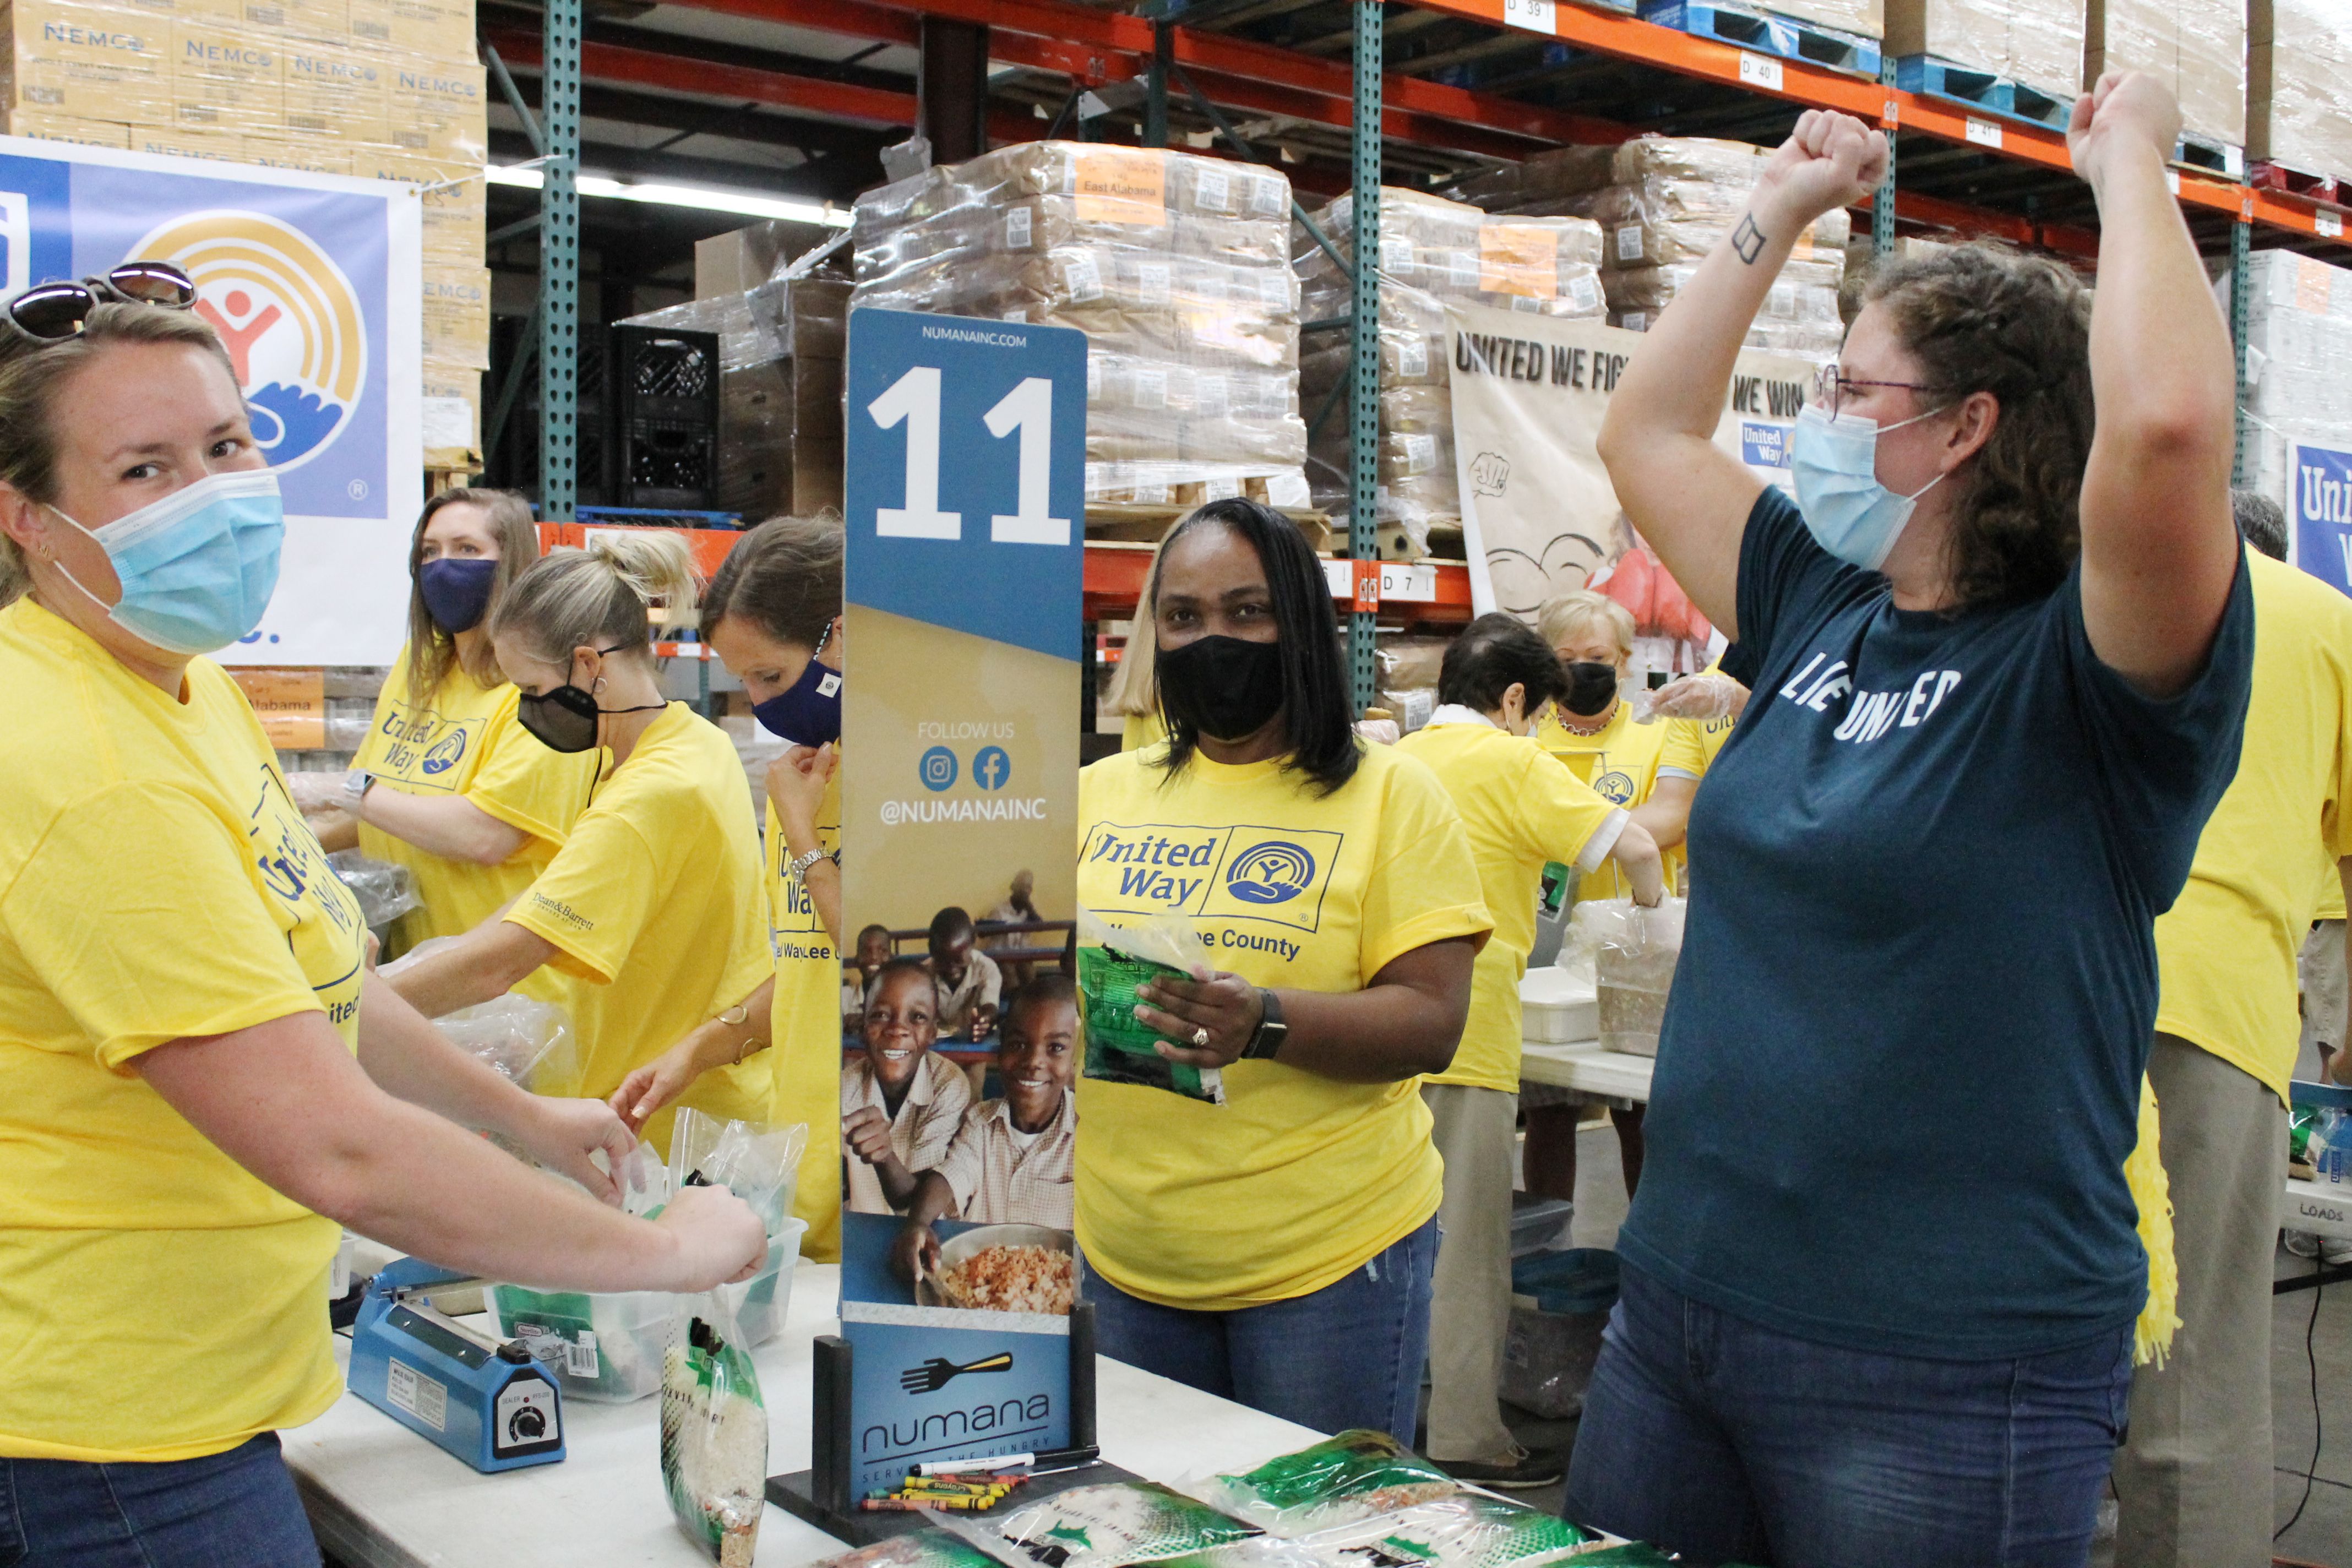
1266 1042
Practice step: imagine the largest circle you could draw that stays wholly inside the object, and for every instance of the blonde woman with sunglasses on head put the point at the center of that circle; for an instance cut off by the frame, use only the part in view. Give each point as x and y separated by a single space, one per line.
203 1081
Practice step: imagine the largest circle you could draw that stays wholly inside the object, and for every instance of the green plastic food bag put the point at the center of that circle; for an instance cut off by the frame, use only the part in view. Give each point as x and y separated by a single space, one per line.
1337 1481
714 1433
1468 1529
923 1549
1112 961
1108 1526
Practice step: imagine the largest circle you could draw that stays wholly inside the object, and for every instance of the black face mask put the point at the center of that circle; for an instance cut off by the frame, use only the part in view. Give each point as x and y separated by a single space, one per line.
565 720
1591 687
1223 688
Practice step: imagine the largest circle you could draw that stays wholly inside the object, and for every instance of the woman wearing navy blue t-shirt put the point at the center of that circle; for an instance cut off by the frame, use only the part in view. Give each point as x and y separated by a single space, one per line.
1882 1274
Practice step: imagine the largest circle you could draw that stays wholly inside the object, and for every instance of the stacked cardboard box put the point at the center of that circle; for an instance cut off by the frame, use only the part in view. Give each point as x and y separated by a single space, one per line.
780 390
1662 204
380 88
1431 251
1176 267
2299 85
2037 42
2196 48
2299 330
1868 18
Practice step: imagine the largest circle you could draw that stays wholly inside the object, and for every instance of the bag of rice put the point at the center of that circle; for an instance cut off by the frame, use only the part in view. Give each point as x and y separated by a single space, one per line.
923 1549
1468 1529
1108 1526
1341 1479
1112 961
714 1432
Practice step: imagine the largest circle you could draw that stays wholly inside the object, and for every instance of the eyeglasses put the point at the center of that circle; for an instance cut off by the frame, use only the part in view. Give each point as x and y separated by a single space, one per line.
56 312
1831 389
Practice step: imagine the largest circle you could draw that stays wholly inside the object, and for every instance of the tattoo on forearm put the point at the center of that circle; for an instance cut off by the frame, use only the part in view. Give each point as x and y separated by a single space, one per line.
1747 240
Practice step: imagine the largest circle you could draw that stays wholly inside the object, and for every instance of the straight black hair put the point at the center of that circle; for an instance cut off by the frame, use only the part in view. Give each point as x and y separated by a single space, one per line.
1317 711
1493 654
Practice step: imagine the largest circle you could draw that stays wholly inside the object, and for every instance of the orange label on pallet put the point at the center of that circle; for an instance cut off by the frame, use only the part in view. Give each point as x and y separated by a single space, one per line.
1367 581
1121 184
291 705
1518 259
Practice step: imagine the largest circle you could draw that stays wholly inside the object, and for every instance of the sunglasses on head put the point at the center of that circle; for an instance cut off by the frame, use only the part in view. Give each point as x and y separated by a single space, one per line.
55 312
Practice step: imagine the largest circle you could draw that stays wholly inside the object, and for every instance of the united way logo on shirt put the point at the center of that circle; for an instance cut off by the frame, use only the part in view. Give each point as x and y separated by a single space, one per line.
445 753
1275 876
1615 787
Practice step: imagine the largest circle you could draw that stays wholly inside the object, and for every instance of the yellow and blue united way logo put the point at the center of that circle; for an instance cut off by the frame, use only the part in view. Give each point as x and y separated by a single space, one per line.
1615 787
288 317
1272 873
445 753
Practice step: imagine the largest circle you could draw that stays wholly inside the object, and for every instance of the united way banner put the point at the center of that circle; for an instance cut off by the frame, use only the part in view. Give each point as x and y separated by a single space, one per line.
312 282
960 767
1537 509
2319 513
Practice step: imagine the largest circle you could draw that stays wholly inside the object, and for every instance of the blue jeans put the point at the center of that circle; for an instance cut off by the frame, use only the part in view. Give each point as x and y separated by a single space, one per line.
1710 1436
1349 1354
236 1509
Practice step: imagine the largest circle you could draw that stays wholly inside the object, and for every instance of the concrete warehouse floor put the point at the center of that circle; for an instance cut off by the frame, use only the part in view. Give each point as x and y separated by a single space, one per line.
2322 1535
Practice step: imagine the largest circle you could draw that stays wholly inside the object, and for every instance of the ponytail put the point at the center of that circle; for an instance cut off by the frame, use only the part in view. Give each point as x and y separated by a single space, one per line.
609 595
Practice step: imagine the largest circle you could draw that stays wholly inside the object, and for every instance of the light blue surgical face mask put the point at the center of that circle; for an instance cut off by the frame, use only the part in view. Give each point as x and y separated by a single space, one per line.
1834 463
196 567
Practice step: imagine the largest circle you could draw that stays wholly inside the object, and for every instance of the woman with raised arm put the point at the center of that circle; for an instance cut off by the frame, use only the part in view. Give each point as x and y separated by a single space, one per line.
1882 1279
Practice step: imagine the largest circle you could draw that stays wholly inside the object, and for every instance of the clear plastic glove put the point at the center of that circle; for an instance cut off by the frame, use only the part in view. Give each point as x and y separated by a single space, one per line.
1379 731
564 1133
1700 697
317 792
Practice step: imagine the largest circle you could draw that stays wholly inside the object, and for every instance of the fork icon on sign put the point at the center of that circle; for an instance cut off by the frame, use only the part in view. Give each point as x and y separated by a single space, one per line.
939 1372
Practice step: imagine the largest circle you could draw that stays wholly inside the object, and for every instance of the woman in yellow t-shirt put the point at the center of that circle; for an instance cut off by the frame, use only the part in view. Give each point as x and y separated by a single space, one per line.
773 615
655 904
1277 1248
205 1081
448 783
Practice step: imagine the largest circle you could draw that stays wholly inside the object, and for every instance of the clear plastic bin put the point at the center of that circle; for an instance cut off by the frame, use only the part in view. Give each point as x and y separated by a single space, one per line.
605 1347
767 1296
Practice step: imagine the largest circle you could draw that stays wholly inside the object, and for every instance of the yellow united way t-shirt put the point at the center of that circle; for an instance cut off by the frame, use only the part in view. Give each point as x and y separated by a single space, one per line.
156 883
805 1057
462 740
2225 950
1298 1178
1522 808
1621 763
658 903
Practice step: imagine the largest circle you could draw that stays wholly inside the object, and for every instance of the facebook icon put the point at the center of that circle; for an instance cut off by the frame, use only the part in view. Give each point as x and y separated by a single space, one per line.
990 768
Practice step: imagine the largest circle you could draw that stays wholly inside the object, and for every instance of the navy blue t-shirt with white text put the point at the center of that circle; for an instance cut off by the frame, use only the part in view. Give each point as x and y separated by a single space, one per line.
1899 1073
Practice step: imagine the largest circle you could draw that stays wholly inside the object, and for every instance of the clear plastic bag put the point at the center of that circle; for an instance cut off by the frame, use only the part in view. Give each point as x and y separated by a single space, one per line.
923 1549
529 1041
1633 951
1112 961
714 1432
757 1163
1353 1476
1108 1526
385 891
1464 1529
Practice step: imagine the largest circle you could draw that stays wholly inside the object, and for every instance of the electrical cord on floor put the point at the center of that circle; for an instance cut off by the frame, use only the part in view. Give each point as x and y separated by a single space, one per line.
2318 1266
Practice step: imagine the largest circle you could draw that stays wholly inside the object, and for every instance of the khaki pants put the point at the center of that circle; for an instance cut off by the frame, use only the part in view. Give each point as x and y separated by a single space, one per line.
2194 1475
1477 1134
2319 972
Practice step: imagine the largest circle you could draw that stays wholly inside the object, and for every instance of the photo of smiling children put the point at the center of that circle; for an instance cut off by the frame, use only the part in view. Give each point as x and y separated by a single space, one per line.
901 1104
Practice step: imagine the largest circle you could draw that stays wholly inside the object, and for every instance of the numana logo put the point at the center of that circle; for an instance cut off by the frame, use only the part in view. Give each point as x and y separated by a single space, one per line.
1272 873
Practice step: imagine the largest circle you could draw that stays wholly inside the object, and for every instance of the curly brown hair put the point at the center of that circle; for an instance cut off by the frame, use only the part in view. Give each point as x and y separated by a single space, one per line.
1983 318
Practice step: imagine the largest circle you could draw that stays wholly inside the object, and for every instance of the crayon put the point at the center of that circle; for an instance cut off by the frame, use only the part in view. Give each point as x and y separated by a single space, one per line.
958 1467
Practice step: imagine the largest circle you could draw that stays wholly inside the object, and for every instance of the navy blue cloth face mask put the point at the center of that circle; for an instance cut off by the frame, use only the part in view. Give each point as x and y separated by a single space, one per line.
808 712
455 591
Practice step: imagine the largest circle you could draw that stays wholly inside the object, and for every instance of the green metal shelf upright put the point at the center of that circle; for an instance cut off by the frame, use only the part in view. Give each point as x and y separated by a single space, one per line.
559 265
1364 342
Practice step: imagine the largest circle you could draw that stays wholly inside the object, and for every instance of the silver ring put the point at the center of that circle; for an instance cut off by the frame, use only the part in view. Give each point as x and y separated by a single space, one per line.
1200 1039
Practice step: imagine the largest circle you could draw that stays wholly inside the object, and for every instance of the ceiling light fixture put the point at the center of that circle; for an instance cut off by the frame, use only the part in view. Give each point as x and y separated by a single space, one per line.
743 203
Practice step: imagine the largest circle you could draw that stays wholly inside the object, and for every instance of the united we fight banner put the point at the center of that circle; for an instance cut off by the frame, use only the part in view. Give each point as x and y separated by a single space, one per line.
1538 512
2319 512
313 283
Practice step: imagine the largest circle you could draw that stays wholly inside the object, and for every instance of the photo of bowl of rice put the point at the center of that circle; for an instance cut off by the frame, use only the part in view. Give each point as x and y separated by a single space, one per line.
1005 1269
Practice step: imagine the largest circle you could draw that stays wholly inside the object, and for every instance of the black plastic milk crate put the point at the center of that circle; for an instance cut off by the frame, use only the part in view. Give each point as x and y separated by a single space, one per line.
515 463
664 419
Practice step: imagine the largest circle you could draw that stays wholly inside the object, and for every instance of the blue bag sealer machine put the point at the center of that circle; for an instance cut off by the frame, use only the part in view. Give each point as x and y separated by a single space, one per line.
490 1403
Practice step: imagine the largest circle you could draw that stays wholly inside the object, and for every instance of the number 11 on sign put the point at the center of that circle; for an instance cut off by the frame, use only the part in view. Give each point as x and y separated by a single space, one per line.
914 400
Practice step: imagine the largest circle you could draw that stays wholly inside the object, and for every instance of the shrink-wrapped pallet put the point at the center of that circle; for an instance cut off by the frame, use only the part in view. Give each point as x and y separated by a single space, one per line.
1431 250
2299 86
1176 267
2299 364
2037 42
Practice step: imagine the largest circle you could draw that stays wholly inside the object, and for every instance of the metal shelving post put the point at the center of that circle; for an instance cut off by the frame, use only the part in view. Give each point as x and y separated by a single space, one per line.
1364 338
1882 205
2241 294
558 264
